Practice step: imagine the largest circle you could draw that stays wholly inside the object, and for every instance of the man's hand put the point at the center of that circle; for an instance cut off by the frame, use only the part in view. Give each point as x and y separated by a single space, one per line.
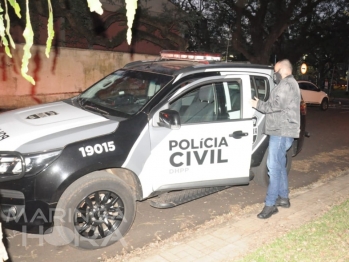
254 102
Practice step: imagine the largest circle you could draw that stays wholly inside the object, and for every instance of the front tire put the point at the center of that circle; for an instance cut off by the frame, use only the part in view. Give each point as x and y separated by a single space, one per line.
262 177
324 104
95 211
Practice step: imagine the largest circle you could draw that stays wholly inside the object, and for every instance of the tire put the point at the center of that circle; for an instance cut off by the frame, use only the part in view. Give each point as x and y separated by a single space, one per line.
95 211
262 177
324 104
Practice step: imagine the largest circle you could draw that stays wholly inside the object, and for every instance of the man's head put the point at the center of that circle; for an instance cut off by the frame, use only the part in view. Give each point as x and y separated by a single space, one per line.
284 68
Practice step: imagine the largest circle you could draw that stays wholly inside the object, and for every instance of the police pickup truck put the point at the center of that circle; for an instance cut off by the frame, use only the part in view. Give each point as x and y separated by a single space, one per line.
170 130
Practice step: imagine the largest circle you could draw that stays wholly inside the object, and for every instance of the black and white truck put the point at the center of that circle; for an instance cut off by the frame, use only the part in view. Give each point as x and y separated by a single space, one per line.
170 130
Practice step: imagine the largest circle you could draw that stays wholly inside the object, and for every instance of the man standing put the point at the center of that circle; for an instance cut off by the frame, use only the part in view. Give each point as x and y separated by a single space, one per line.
282 124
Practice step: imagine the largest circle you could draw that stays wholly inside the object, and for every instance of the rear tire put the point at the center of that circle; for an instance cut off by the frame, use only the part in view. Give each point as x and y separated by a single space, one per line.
324 104
262 177
95 211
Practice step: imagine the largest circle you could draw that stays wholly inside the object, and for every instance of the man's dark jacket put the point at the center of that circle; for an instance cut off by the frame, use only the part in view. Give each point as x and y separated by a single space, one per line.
282 109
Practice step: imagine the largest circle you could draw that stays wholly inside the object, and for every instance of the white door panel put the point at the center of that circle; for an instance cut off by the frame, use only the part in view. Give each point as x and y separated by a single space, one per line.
307 96
311 97
318 97
200 152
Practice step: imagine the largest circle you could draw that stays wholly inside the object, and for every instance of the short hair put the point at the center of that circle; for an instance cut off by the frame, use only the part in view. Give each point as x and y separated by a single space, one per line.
287 64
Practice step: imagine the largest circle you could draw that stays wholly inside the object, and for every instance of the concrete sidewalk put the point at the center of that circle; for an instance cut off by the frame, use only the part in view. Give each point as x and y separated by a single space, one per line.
238 236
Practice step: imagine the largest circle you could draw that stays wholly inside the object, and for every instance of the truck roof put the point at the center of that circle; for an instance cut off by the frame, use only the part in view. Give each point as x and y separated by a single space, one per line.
176 67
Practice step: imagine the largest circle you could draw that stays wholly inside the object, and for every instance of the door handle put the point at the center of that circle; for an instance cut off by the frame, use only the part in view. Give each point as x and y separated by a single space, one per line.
238 134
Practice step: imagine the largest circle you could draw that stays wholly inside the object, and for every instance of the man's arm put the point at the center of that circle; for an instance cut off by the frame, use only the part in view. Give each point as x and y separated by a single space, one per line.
279 101
270 106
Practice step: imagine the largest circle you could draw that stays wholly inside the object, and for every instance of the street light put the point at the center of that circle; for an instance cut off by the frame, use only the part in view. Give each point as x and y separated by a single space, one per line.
304 68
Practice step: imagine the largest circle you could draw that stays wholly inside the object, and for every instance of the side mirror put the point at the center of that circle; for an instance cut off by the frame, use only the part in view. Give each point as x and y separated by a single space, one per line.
169 119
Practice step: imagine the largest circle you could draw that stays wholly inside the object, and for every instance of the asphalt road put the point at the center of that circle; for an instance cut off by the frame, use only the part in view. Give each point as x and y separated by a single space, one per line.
320 155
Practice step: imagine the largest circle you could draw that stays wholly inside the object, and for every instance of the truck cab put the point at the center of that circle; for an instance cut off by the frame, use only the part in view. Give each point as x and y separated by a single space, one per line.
170 130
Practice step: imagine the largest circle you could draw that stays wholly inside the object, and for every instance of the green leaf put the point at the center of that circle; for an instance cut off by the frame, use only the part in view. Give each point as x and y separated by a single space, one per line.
4 41
15 6
28 35
131 7
50 31
7 51
7 18
95 6
2 26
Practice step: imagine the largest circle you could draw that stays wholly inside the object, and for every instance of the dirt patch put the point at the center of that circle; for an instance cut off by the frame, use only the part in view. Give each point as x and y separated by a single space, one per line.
309 165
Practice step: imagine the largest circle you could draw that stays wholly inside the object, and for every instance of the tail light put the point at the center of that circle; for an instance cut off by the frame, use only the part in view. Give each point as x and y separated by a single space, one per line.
303 108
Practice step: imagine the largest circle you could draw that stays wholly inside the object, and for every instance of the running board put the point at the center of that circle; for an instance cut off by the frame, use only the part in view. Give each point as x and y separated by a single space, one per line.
175 198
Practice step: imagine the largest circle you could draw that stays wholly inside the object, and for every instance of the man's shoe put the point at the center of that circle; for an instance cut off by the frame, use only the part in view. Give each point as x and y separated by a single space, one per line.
267 212
283 202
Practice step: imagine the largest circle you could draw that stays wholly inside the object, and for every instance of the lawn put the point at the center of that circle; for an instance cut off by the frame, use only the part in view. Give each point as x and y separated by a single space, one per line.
325 239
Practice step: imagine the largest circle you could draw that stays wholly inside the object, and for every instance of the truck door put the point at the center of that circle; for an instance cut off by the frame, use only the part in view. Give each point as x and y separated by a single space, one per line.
213 144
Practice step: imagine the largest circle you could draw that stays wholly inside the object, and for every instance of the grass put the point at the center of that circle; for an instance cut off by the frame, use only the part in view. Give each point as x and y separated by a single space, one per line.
324 239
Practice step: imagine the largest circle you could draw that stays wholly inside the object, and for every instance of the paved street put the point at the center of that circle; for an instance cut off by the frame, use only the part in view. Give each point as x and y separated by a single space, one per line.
325 152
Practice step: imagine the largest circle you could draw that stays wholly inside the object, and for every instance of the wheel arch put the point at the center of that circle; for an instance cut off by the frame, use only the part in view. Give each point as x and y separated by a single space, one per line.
127 176
130 179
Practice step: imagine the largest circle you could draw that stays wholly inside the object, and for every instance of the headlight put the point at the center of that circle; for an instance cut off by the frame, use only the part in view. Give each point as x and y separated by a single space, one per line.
13 164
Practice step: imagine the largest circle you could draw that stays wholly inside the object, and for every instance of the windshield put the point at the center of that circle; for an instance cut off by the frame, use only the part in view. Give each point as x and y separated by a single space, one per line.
123 91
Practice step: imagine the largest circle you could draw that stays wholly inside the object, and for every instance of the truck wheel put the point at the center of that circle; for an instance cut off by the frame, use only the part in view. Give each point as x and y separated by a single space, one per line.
262 177
95 211
324 104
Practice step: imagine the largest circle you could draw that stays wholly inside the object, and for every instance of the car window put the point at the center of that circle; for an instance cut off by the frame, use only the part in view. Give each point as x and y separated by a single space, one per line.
124 91
302 86
259 87
307 86
312 87
210 102
199 105
234 100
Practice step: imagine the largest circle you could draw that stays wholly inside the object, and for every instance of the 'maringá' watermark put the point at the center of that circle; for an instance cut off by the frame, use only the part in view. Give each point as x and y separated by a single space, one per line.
71 226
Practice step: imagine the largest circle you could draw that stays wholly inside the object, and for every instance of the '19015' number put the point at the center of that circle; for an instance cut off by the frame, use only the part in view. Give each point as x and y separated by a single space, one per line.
97 148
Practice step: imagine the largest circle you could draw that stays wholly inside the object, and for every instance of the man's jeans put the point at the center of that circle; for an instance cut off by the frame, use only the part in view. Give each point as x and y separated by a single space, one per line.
278 182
